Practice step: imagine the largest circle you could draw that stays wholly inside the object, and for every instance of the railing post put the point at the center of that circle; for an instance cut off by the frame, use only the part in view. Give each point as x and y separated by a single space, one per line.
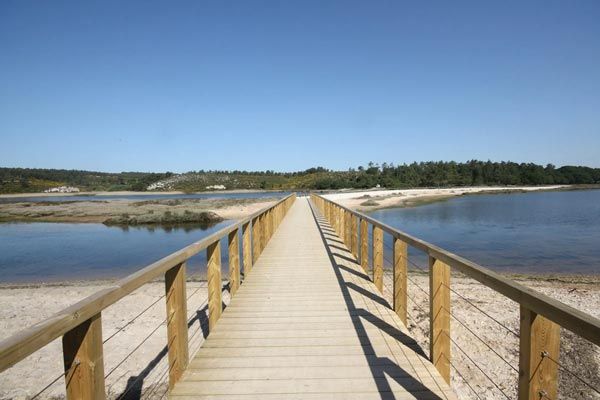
439 316
354 236
246 248
255 239
215 307
177 330
539 341
234 262
348 233
343 225
84 361
400 277
378 257
364 245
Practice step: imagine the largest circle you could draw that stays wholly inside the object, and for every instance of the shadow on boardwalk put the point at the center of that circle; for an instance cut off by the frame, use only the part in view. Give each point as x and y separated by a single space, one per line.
381 368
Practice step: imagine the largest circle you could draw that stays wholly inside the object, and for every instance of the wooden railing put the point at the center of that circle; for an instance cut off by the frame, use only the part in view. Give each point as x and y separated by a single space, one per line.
540 316
80 325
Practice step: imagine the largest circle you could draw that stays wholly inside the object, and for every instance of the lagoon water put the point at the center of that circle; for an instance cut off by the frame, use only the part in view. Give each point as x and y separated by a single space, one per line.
544 232
51 252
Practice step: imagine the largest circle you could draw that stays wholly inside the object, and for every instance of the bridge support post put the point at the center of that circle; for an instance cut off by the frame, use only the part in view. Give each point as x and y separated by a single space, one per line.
354 237
246 248
215 307
234 262
400 277
378 257
539 343
84 361
364 245
439 316
177 330
255 239
348 233
343 225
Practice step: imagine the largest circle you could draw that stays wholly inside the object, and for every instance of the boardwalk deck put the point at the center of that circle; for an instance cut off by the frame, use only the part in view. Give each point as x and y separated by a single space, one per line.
307 323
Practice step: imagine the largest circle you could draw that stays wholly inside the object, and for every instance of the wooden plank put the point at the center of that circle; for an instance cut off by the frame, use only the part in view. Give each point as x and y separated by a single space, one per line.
215 307
364 245
439 316
539 345
246 248
83 360
177 330
378 258
234 262
400 279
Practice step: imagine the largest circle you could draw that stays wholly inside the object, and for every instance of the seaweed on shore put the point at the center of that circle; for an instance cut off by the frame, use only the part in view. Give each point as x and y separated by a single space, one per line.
167 218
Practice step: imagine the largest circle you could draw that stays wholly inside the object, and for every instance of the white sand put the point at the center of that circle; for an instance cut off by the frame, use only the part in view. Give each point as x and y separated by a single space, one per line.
405 197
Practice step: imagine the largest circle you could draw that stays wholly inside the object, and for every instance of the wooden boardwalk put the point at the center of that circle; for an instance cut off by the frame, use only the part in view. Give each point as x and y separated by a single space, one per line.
307 323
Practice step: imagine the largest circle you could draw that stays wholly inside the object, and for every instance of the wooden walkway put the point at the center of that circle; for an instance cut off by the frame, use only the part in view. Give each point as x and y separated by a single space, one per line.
307 323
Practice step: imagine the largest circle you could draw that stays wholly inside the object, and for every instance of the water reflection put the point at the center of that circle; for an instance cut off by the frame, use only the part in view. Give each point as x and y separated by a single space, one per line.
41 252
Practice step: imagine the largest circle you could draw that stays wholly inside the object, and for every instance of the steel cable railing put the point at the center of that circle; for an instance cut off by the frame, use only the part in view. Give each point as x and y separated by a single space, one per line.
459 321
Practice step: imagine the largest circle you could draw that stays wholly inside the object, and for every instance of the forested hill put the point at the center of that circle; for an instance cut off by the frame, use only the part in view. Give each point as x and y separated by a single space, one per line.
423 174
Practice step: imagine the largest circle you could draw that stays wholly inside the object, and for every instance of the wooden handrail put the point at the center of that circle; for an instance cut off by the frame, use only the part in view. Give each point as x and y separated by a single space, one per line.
540 316
20 345
585 325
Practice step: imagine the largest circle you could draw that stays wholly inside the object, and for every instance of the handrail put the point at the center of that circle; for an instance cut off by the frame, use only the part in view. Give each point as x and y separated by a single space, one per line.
20 345
540 315
585 325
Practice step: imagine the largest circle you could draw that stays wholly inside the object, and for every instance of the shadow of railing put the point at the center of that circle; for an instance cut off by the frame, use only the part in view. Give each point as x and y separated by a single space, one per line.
381 368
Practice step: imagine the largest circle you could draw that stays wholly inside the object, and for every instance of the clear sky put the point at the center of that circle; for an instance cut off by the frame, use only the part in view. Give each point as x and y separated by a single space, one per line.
286 85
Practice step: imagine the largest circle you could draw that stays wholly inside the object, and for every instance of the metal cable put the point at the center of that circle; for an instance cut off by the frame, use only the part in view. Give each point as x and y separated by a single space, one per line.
481 311
477 366
482 341
462 297
121 329
545 355
47 386
465 380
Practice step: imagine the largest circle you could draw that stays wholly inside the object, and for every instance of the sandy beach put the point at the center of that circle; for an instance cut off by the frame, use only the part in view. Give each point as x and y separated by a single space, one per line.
369 200
143 370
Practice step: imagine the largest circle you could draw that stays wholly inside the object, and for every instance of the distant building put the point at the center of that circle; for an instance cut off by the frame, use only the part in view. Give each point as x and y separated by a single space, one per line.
216 187
62 189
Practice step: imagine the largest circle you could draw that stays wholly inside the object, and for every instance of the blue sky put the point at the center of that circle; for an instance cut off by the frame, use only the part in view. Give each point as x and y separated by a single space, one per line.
283 85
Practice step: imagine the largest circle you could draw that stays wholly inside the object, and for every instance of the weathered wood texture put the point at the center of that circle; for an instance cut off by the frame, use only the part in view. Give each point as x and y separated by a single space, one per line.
354 237
213 271
246 248
307 326
234 262
378 258
439 316
364 245
83 359
177 330
539 346
400 279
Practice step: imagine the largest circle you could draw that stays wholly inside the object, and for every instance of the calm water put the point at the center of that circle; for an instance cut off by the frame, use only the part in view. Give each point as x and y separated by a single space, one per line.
542 232
43 252
157 196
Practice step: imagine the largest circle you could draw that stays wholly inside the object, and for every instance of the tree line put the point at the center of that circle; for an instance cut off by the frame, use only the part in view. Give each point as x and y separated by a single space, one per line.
386 175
